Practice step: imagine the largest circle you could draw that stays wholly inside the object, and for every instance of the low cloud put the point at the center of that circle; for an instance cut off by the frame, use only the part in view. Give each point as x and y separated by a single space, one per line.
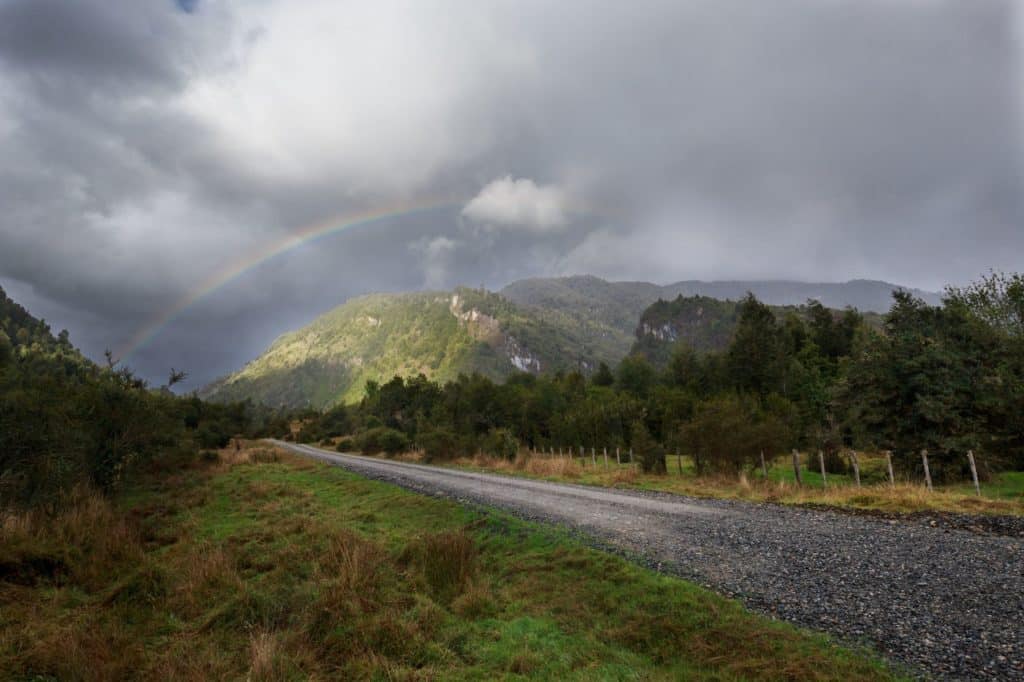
437 256
519 203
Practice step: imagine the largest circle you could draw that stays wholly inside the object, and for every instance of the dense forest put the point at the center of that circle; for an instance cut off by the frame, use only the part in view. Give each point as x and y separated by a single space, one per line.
944 378
67 422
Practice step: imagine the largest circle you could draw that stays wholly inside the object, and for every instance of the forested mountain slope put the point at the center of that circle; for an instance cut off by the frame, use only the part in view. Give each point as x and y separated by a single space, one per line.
610 311
438 334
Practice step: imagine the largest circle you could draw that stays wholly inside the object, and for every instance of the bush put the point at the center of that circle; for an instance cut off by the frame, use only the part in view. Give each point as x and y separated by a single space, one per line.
212 436
649 453
442 444
501 443
346 444
382 439
729 432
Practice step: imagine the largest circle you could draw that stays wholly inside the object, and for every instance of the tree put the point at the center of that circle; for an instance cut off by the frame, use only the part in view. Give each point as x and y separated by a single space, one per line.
649 453
755 358
997 300
603 376
730 431
635 375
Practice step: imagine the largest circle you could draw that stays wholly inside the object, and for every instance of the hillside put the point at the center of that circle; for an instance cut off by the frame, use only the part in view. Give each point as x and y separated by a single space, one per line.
704 324
609 311
375 337
23 333
533 325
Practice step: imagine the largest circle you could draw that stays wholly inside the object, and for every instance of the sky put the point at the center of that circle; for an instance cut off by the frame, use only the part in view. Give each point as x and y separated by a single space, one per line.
149 148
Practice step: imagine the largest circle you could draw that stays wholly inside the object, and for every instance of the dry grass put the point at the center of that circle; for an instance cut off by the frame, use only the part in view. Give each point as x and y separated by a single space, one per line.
902 498
205 572
447 560
84 542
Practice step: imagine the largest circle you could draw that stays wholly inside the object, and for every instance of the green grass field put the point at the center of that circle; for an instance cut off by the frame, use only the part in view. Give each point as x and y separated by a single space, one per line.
277 568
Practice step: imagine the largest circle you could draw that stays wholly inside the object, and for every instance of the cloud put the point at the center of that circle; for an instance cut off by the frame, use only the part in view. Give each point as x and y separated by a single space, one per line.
143 149
519 203
437 256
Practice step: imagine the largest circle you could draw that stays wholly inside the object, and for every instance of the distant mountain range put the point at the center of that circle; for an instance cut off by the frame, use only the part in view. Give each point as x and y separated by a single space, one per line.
533 325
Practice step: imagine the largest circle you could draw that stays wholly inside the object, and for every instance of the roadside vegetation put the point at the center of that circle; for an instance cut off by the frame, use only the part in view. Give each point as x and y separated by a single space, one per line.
944 380
254 564
1002 495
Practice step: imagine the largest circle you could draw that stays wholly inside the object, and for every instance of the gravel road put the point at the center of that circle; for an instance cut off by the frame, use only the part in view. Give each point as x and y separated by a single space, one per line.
947 602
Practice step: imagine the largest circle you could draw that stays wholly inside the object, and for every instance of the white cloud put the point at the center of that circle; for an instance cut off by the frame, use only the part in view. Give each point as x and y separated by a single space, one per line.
379 97
506 202
437 255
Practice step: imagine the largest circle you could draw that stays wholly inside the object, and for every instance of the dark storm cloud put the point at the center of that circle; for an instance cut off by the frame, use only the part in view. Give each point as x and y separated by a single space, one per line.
146 146
100 42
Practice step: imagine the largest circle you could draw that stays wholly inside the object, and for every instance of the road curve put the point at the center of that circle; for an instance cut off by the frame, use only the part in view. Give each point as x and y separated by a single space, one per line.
948 602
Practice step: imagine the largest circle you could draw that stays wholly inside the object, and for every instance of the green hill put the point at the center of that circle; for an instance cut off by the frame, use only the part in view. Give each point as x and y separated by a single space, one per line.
704 324
21 333
439 334
607 312
533 325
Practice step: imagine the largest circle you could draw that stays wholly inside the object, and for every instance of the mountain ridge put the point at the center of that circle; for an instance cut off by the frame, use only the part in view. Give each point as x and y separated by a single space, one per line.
531 325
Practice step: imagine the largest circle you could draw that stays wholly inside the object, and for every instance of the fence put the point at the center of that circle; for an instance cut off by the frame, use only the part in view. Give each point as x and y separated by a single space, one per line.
625 456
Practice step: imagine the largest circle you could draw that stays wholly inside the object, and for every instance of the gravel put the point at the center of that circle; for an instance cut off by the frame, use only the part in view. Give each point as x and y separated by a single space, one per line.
946 599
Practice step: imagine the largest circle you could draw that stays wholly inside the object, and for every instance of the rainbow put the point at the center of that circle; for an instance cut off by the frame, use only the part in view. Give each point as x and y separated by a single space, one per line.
236 269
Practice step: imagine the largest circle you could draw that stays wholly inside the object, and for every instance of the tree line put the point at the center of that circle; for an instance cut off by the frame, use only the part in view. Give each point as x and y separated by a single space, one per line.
947 378
66 421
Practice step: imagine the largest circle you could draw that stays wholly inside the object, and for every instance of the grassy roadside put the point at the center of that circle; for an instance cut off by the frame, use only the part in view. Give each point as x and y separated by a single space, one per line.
1002 496
267 567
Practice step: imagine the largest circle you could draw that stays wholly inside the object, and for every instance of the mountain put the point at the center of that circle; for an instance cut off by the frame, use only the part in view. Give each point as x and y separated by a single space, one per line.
705 324
608 311
533 325
376 337
22 333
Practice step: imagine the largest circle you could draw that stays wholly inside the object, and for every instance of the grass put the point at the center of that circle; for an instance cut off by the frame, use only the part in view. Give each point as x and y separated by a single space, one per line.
267 567
1003 495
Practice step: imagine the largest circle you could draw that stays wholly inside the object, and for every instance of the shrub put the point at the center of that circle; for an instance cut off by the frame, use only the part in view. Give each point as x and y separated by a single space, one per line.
649 453
441 444
382 439
346 444
730 431
212 436
501 443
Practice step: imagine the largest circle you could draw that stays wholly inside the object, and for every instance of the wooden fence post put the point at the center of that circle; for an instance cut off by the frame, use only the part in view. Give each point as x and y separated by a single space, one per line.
927 471
593 457
974 472
856 466
604 451
796 467
618 459
679 461
764 466
821 463
631 459
888 463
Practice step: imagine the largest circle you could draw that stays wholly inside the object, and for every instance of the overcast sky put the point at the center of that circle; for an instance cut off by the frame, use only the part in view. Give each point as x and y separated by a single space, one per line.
147 145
